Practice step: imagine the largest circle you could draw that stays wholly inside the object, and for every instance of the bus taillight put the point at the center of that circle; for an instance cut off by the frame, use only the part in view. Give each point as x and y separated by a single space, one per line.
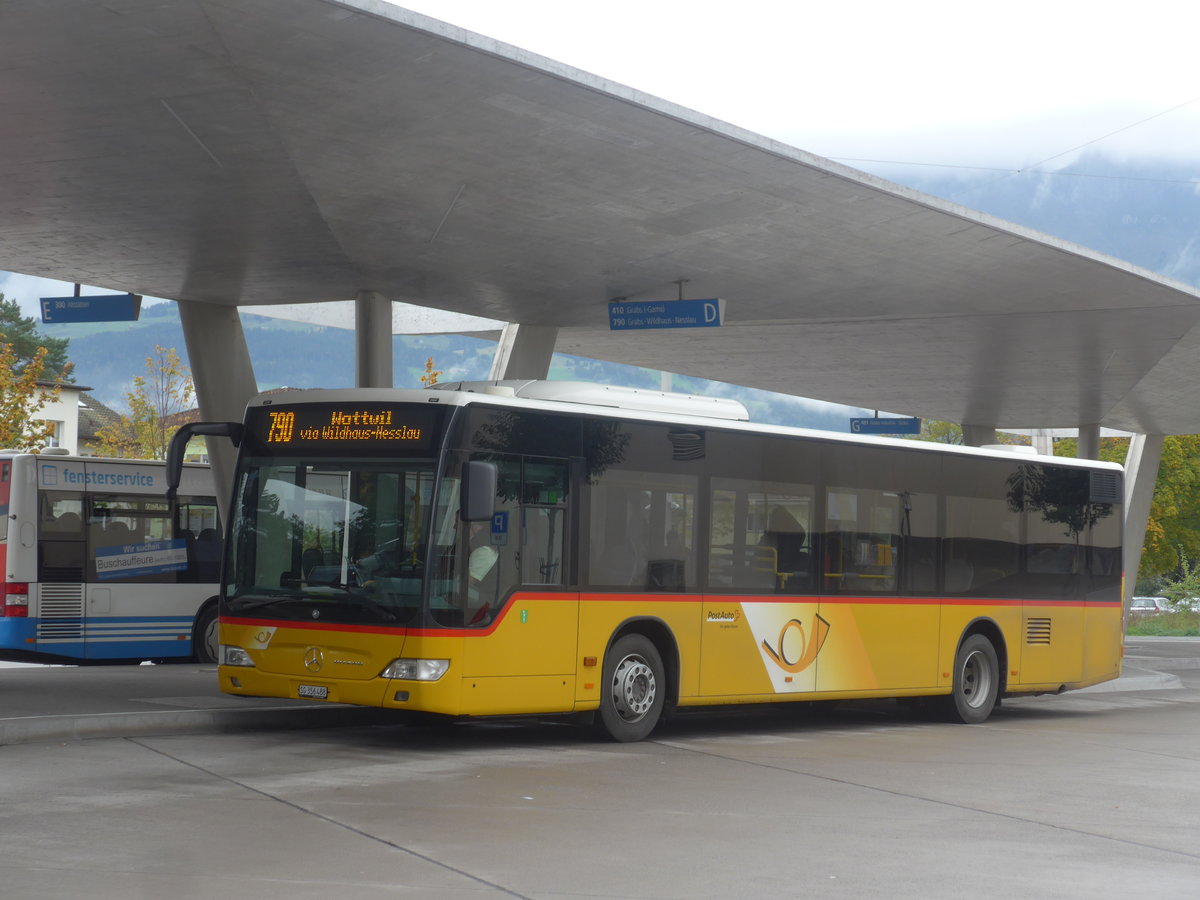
16 600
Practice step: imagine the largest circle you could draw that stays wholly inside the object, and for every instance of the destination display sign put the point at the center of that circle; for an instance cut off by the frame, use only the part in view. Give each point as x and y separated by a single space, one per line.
342 427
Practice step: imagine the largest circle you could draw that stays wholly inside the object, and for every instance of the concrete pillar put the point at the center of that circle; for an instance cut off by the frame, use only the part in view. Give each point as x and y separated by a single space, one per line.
1141 472
524 351
1043 441
372 340
1089 442
978 435
224 379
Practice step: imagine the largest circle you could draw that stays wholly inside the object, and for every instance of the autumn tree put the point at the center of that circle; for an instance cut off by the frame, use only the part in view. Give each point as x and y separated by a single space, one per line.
145 431
431 374
23 394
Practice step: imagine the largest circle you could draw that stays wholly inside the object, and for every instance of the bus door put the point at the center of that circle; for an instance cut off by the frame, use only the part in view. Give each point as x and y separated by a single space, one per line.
761 631
61 572
877 550
520 646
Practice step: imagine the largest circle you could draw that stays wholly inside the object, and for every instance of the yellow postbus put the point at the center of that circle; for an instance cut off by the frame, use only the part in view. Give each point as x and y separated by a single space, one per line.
549 548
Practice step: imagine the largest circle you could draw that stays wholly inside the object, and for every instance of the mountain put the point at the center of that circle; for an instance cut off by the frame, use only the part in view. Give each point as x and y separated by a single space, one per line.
1146 212
109 355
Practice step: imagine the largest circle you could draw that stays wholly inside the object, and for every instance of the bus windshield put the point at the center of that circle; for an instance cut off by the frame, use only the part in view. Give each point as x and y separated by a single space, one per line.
335 541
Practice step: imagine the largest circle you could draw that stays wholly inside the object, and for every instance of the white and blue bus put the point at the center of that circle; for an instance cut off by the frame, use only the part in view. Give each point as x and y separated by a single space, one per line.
96 570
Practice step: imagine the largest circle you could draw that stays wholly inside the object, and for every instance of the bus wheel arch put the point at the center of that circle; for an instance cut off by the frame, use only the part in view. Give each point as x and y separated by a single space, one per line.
639 680
978 682
205 640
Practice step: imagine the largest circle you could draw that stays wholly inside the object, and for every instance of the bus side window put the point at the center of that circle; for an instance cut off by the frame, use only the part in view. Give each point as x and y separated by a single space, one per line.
61 541
760 536
863 540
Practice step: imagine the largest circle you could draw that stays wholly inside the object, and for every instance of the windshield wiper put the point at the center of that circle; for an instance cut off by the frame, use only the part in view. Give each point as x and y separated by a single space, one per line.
260 602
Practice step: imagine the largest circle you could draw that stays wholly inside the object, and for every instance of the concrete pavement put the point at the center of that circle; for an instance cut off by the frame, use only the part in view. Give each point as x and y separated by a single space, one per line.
44 703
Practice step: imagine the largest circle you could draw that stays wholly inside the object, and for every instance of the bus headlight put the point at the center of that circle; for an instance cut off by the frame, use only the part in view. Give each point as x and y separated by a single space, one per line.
417 669
235 656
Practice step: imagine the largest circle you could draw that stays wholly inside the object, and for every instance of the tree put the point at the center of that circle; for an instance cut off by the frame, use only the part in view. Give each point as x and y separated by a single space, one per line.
21 332
940 432
145 431
23 395
431 374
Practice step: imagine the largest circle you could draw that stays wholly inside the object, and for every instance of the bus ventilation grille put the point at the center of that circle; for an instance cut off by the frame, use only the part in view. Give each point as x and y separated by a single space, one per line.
1037 631
61 612
1105 488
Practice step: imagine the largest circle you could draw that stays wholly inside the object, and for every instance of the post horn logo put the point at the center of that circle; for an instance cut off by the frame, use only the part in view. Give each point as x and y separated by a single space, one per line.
805 654
314 659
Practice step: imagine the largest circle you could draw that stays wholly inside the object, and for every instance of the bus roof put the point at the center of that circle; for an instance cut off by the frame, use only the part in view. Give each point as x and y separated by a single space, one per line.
634 404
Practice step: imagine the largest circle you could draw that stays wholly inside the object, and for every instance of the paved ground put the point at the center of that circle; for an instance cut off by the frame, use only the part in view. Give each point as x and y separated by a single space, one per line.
181 792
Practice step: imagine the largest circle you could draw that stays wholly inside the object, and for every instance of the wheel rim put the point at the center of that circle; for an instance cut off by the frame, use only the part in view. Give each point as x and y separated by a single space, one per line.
976 682
211 640
633 688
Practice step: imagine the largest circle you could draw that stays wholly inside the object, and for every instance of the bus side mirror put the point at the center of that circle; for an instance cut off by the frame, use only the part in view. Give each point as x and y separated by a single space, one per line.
179 442
478 497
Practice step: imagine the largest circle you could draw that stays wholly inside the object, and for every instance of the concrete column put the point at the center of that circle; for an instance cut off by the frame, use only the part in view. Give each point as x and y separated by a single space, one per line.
224 379
524 351
1043 441
978 435
372 340
1089 442
1141 473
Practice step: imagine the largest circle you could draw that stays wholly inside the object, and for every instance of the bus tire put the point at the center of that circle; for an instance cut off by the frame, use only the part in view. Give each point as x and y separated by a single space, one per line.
205 639
633 690
976 687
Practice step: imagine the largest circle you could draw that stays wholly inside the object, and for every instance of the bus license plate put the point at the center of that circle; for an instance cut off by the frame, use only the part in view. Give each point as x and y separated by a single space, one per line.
314 691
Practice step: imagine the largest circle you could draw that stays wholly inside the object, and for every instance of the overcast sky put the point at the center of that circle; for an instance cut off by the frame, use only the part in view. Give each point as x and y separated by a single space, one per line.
960 82
955 83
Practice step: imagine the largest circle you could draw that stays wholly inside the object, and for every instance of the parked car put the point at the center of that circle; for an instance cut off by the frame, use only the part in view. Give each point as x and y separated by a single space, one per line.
1148 606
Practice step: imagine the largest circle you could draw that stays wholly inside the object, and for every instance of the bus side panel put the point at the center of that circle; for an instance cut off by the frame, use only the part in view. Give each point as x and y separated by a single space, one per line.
533 643
958 614
1051 644
1102 633
127 619
887 643
21 563
21 634
757 647
600 615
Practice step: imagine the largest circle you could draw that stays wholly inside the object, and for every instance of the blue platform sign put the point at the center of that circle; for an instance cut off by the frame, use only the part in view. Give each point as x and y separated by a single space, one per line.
625 315
100 308
886 426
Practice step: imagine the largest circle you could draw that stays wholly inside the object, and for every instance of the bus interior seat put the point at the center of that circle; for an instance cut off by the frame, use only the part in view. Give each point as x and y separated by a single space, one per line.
68 523
958 575
310 559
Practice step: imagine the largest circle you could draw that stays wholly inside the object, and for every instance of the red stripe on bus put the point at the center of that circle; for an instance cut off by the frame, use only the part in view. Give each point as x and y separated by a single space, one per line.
405 630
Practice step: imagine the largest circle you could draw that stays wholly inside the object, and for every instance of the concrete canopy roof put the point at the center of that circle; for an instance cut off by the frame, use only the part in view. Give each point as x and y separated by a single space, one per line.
246 152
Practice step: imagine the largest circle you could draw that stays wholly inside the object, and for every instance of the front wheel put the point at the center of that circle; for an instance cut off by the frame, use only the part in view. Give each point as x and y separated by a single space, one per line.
633 690
205 639
976 681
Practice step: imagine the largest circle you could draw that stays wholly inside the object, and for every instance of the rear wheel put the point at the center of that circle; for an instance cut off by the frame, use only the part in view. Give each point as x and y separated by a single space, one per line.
633 690
976 681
